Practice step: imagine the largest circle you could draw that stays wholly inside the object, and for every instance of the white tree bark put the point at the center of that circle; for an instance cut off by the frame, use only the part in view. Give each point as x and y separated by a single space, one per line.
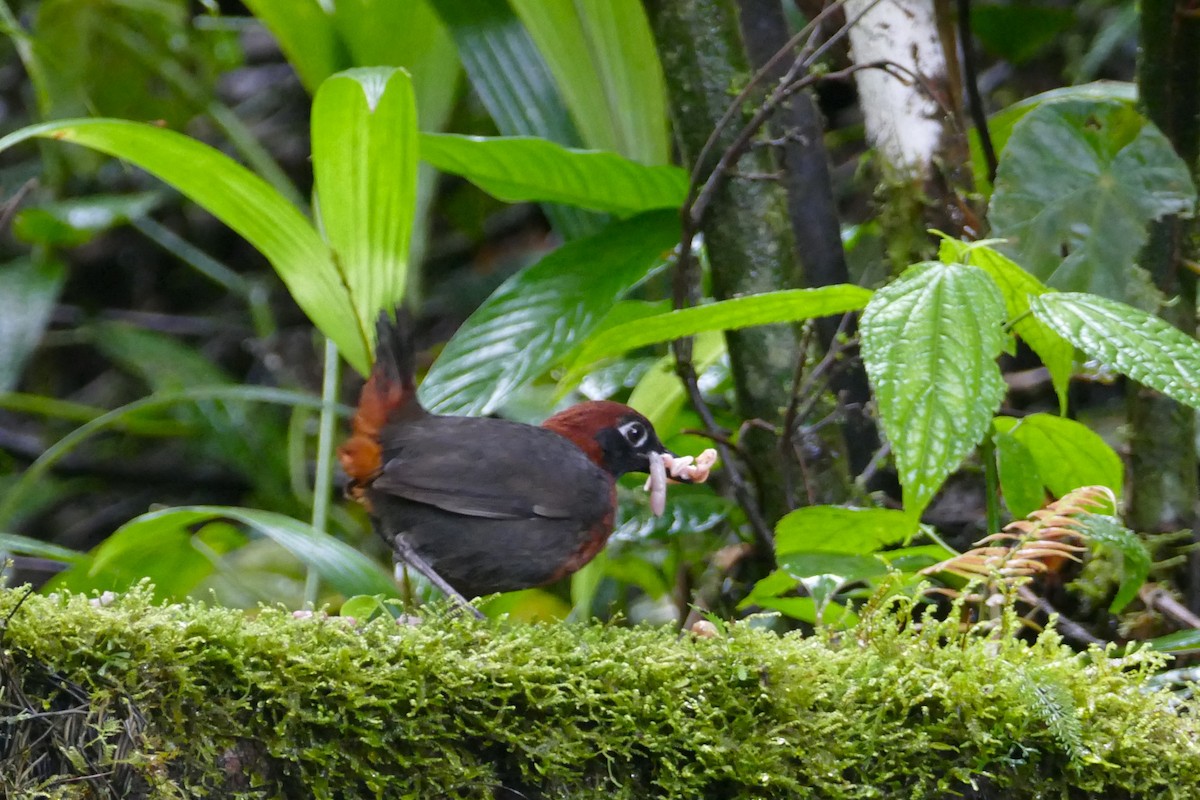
902 120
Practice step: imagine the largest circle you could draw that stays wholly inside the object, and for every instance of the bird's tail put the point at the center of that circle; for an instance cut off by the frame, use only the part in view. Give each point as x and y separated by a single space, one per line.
389 395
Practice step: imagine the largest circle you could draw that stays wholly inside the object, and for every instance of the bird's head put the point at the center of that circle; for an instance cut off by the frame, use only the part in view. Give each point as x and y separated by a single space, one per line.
613 435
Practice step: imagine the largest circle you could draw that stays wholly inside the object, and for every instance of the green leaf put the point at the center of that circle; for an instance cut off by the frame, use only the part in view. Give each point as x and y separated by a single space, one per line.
364 142
603 58
1020 480
306 36
539 314
523 169
1123 339
241 200
805 610
25 546
660 395
1077 185
847 566
1132 557
929 343
1017 286
31 289
68 223
1000 124
515 86
1065 453
841 530
1177 642
789 305
160 545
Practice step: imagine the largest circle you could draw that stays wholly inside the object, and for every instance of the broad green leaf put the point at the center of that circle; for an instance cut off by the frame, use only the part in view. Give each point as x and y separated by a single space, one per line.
1077 185
241 200
603 57
660 394
522 169
929 342
30 291
1066 454
847 566
385 33
1124 339
1000 124
364 143
805 610
25 546
841 530
1017 286
160 545
1127 547
305 32
539 314
515 86
788 305
1024 490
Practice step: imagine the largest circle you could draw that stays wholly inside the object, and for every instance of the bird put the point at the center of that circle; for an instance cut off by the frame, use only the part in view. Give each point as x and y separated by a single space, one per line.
480 505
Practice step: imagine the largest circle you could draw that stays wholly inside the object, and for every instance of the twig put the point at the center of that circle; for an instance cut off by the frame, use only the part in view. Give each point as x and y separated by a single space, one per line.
971 77
1160 600
1067 627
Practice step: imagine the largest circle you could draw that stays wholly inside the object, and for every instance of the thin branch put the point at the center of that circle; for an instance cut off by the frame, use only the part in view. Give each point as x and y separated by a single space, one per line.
971 78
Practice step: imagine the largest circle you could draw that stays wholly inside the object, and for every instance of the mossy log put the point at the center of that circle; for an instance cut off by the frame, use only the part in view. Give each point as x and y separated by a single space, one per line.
129 698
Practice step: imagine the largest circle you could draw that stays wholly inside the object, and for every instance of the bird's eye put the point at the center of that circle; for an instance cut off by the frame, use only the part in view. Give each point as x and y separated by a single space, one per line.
634 433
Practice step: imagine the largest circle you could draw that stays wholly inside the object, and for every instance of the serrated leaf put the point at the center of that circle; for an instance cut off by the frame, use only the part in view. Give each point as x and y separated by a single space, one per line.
523 169
1065 454
789 305
541 313
841 530
240 199
603 58
1077 185
1133 559
31 289
364 143
929 343
1017 286
1123 339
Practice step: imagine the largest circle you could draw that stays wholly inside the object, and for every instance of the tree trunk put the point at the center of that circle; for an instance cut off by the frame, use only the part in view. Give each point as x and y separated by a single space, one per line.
746 228
912 117
804 166
1163 460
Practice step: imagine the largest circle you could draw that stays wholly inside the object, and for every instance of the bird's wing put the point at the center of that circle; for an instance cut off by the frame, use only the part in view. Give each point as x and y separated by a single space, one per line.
490 469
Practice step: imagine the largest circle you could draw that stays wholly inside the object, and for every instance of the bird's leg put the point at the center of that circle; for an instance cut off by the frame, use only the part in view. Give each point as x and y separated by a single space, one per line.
403 553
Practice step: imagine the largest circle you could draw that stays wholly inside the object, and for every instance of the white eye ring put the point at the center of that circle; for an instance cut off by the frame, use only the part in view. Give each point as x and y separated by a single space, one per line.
635 433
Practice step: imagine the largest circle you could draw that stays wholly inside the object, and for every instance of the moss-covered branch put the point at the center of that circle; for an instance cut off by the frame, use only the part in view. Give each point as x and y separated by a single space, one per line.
189 698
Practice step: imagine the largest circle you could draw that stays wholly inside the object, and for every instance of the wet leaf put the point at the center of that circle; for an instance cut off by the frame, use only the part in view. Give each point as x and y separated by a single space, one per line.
1065 454
537 316
1123 339
929 342
1077 185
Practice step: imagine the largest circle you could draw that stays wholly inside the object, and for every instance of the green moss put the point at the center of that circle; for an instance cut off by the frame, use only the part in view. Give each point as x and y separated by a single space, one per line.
457 708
